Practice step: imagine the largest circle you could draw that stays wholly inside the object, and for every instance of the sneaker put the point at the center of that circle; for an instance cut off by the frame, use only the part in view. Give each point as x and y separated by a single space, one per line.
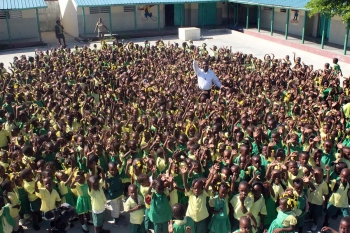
84 228
104 231
314 227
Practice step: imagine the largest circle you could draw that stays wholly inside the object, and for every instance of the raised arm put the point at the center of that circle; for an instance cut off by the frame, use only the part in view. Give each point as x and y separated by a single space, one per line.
216 81
195 67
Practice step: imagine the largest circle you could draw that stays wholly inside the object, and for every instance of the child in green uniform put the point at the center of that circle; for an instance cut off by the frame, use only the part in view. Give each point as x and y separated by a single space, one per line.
182 223
83 207
6 221
160 210
286 219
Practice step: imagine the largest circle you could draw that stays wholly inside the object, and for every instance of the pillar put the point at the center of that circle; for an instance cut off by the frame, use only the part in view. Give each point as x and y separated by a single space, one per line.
38 23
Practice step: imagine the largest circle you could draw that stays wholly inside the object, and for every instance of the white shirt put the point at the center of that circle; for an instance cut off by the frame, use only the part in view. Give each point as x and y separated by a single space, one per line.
205 79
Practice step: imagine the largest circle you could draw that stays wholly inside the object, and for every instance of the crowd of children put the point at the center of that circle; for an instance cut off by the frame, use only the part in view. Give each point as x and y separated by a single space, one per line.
124 128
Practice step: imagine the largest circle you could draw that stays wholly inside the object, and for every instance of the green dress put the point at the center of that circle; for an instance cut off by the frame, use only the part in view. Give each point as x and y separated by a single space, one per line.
271 210
160 210
180 225
83 201
70 198
220 222
302 201
277 223
23 199
5 214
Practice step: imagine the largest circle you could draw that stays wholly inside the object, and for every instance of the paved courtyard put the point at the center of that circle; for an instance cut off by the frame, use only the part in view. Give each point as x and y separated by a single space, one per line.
238 41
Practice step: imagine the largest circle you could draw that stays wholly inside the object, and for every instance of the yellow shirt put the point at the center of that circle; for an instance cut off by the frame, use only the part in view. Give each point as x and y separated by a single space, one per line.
6 227
62 188
48 200
291 220
340 197
3 137
237 207
98 200
258 208
316 197
144 191
29 187
137 216
278 190
173 197
160 163
291 177
14 201
197 206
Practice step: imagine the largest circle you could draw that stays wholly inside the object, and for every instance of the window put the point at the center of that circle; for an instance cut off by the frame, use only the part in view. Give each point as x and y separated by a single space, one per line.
267 8
15 14
283 10
11 14
99 10
128 8
2 14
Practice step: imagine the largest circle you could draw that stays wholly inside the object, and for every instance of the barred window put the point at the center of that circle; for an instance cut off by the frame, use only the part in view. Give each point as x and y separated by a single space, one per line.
128 8
11 14
99 10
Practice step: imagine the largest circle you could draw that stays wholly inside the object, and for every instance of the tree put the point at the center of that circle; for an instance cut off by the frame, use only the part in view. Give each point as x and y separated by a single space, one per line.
331 8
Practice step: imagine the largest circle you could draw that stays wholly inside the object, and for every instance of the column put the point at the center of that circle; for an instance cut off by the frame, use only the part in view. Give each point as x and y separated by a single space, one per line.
259 15
287 24
135 19
247 20
158 17
323 31
346 38
272 20
38 23
84 23
8 26
110 20
304 26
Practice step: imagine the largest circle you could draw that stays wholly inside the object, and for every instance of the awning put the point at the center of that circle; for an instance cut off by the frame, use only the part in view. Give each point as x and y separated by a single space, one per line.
290 4
95 3
21 4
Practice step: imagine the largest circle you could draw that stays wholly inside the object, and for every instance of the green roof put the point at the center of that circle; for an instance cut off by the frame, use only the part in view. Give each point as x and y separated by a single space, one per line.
95 3
21 4
292 4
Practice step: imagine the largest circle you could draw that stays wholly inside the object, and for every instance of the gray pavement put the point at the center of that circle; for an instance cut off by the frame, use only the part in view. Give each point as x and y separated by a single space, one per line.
238 41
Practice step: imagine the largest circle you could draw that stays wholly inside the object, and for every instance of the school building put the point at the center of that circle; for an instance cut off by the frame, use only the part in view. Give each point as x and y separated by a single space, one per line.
79 17
290 17
19 21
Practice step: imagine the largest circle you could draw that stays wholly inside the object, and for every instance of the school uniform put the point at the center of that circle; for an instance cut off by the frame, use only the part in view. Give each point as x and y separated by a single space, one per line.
197 210
316 198
338 199
137 216
98 201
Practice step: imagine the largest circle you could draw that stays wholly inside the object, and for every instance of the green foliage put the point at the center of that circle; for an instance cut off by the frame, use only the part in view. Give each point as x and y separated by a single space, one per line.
331 8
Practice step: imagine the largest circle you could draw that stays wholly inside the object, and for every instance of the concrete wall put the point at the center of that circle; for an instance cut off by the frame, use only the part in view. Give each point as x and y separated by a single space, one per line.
337 31
121 21
21 28
194 14
295 27
49 15
69 17
219 7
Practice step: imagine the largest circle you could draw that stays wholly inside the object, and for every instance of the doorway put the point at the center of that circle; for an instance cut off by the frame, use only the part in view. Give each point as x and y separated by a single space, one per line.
169 15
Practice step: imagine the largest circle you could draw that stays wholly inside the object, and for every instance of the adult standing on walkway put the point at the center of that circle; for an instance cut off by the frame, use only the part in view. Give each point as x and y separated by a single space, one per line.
206 78
100 29
59 33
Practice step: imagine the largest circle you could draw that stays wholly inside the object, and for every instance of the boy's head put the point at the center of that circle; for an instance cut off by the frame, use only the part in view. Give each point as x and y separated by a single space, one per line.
112 168
345 175
179 211
243 188
26 174
245 225
335 60
47 183
132 191
344 226
298 185
7 185
318 174
143 179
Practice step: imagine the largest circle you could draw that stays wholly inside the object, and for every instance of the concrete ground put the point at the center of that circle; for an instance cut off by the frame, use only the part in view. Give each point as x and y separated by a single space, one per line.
238 41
